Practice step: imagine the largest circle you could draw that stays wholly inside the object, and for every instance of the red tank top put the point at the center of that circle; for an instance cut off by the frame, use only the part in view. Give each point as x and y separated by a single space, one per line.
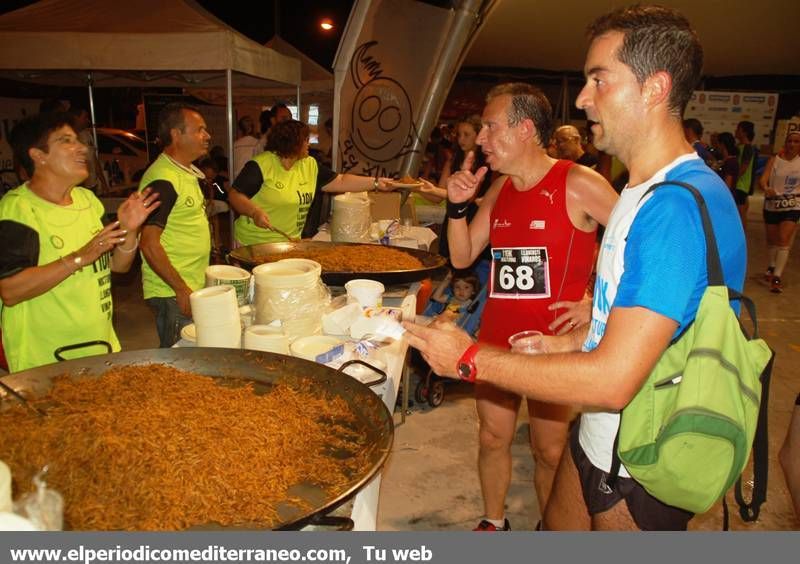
538 257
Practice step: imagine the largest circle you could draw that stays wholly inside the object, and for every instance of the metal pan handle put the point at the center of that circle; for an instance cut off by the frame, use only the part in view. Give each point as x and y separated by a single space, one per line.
380 372
65 348
340 523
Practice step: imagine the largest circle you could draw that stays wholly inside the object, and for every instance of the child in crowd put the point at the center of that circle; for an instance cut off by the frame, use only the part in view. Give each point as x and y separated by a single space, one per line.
455 300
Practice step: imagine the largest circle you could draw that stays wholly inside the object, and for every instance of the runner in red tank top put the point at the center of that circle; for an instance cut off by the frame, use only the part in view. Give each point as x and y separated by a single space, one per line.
534 244
541 221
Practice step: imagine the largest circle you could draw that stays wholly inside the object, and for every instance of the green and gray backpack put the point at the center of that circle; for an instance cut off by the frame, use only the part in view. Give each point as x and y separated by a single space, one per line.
686 435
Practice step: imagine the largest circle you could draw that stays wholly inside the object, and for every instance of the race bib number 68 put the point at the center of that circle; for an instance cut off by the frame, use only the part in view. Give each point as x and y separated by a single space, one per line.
520 273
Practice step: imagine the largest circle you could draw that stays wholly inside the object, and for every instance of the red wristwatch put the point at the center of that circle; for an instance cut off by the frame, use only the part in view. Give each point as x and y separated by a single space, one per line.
465 368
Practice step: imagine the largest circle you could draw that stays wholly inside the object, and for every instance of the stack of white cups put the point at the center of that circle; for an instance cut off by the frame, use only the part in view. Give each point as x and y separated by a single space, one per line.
216 317
266 338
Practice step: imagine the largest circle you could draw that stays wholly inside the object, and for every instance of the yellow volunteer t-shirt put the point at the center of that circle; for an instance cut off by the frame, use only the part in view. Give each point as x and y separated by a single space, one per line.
186 237
285 195
78 309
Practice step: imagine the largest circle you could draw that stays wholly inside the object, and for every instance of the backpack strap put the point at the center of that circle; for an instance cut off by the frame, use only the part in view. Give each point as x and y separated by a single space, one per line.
713 264
749 511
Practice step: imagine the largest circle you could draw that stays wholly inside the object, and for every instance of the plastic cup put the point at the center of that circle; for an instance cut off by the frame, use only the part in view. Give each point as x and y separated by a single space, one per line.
368 293
526 342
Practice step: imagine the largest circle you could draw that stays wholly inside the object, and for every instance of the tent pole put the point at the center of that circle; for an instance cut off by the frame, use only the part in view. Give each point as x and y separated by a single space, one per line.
89 82
229 96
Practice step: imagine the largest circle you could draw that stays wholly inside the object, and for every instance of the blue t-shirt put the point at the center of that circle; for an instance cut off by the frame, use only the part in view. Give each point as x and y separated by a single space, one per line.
665 254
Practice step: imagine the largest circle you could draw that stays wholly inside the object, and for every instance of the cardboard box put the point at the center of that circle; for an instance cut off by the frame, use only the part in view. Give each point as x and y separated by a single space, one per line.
386 205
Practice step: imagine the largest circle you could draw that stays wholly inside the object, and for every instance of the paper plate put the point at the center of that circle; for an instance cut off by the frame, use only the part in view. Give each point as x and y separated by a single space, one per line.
189 333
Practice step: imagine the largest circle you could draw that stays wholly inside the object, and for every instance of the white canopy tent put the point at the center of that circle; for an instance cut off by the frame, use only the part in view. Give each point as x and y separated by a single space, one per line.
160 43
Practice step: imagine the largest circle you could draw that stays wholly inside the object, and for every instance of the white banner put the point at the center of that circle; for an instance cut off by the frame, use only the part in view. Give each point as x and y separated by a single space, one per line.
388 77
721 111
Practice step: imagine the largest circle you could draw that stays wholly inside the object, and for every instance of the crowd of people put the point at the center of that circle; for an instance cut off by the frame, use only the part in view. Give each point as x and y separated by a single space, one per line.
518 191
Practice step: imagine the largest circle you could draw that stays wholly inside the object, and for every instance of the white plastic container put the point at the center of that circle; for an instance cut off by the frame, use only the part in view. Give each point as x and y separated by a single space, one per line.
218 274
214 306
318 348
368 293
266 338
5 487
292 292
13 522
351 218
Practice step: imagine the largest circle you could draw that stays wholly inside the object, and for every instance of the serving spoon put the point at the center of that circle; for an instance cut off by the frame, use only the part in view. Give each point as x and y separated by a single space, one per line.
19 397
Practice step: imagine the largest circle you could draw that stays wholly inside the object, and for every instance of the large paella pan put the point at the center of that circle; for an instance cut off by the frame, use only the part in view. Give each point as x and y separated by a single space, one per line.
364 415
389 272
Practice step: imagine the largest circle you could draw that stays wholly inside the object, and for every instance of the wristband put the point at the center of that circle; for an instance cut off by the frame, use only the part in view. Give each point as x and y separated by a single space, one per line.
457 211
132 249
375 183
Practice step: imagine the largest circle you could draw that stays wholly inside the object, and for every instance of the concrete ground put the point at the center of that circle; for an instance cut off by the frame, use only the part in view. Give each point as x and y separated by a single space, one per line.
430 481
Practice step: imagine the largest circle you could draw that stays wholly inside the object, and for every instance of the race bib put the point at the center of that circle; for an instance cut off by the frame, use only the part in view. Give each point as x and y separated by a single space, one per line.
786 202
520 273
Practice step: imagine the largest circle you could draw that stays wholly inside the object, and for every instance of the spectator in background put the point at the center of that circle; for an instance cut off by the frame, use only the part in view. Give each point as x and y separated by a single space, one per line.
264 122
246 146
745 133
693 131
218 154
568 146
729 170
436 155
280 113
467 130
781 185
83 128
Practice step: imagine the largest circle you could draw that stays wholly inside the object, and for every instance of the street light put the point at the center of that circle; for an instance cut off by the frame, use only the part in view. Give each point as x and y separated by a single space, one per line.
326 24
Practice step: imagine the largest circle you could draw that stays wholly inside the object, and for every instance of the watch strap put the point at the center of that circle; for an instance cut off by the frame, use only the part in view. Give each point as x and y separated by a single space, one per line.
465 368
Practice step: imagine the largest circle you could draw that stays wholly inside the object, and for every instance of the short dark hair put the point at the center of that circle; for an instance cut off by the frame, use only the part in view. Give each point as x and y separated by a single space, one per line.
171 117
527 102
474 120
656 39
265 121
727 140
286 138
748 128
694 125
33 131
467 276
246 125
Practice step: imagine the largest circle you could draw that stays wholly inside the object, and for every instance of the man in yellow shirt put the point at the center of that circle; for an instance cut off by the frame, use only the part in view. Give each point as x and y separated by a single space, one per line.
176 240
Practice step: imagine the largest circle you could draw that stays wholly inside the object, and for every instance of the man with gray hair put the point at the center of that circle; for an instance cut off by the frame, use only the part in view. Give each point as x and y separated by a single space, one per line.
642 66
540 220
568 146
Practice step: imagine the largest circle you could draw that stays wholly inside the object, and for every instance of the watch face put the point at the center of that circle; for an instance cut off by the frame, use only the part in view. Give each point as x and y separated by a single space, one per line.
464 371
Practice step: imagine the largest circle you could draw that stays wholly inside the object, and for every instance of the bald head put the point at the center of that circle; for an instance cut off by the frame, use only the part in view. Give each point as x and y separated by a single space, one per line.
568 143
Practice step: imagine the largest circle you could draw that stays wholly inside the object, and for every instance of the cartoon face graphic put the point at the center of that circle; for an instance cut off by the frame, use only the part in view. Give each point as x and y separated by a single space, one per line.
381 118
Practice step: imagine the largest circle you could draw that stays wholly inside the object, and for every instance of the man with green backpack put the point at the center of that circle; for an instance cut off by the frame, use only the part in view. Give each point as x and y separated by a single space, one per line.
662 327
